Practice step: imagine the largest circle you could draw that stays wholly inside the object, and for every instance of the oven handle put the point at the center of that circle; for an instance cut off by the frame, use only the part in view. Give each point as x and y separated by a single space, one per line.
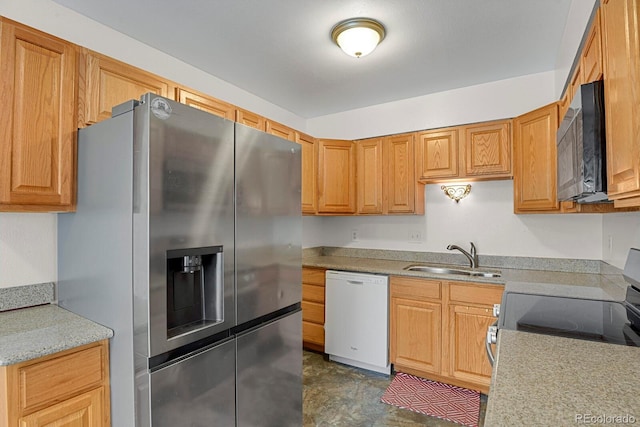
492 338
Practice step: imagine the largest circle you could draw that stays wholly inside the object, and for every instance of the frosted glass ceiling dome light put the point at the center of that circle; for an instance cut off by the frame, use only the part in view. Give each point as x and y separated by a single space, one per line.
358 36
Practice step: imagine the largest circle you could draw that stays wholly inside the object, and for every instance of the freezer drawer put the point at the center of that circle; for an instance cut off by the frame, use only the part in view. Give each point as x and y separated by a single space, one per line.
198 391
269 378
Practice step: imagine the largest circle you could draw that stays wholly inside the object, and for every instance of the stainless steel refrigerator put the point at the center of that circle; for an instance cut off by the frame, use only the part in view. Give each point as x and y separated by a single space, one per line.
187 243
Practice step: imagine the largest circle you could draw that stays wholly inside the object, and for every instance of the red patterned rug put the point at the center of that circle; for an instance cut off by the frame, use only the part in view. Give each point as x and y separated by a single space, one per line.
444 401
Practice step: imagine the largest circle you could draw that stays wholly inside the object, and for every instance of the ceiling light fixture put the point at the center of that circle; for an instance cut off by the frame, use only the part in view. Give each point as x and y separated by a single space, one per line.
358 36
456 192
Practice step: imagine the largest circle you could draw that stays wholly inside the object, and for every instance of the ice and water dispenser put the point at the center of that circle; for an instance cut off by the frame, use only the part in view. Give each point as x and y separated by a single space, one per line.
195 289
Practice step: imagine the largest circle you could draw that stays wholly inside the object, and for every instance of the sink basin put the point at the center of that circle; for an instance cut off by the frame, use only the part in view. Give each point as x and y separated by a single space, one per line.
447 270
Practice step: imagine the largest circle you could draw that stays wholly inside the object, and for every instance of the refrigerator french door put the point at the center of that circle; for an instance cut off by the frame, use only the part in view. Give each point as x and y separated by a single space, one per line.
159 251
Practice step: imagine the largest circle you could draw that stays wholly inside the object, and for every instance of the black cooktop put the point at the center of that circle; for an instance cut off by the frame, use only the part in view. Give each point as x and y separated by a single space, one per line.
594 320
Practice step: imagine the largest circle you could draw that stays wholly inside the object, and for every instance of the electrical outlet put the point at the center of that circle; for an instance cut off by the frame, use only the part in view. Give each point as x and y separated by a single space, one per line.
415 236
354 235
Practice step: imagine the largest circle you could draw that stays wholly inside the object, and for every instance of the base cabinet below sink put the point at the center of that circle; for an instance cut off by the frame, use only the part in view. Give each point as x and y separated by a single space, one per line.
438 329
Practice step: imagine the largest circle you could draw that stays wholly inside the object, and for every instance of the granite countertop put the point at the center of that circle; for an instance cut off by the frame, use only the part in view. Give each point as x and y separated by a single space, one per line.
608 285
554 381
33 332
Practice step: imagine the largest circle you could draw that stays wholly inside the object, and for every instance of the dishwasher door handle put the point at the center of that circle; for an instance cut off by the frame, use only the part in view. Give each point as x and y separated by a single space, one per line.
355 282
492 338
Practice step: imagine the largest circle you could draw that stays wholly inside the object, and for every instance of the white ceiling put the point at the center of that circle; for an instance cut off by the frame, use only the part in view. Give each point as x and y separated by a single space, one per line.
281 50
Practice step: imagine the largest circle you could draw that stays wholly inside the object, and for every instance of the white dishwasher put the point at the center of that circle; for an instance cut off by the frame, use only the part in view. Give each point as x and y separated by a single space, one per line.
357 320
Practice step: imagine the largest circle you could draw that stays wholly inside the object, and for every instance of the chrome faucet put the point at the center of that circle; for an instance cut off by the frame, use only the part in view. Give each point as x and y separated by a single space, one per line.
472 257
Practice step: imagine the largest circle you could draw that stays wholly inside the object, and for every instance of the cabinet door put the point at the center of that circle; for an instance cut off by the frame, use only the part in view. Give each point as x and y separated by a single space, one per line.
487 149
250 119
313 308
438 154
309 195
621 38
205 103
468 330
591 60
534 172
369 176
106 83
336 176
415 334
277 129
38 76
401 185
85 410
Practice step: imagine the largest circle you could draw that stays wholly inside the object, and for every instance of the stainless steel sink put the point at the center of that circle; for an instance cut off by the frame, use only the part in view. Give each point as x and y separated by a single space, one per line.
447 270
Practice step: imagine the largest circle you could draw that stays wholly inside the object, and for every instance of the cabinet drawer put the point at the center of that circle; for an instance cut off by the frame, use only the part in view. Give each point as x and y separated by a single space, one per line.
313 312
313 293
312 333
313 276
475 293
60 377
415 288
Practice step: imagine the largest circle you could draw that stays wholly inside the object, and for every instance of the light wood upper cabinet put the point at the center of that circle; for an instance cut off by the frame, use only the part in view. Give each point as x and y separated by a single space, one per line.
205 103
403 193
309 195
591 59
477 151
38 78
369 175
250 119
486 149
438 154
534 175
336 176
70 388
277 129
106 82
621 42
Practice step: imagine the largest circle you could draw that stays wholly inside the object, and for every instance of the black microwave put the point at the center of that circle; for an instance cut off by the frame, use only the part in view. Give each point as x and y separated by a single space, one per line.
582 166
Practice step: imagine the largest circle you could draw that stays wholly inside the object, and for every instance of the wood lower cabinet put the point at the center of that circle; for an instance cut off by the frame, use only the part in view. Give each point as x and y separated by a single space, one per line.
106 82
437 329
70 388
205 103
336 176
621 44
38 78
534 172
415 325
470 314
313 308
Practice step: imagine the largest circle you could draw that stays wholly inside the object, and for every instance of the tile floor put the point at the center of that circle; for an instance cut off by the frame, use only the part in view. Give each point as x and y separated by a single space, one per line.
343 396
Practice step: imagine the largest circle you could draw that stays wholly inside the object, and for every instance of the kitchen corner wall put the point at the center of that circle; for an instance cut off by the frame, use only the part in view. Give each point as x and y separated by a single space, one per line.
485 217
620 232
28 249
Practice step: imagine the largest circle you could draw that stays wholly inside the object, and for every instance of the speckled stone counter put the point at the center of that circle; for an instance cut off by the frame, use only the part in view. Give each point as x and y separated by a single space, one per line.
552 381
33 332
607 284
